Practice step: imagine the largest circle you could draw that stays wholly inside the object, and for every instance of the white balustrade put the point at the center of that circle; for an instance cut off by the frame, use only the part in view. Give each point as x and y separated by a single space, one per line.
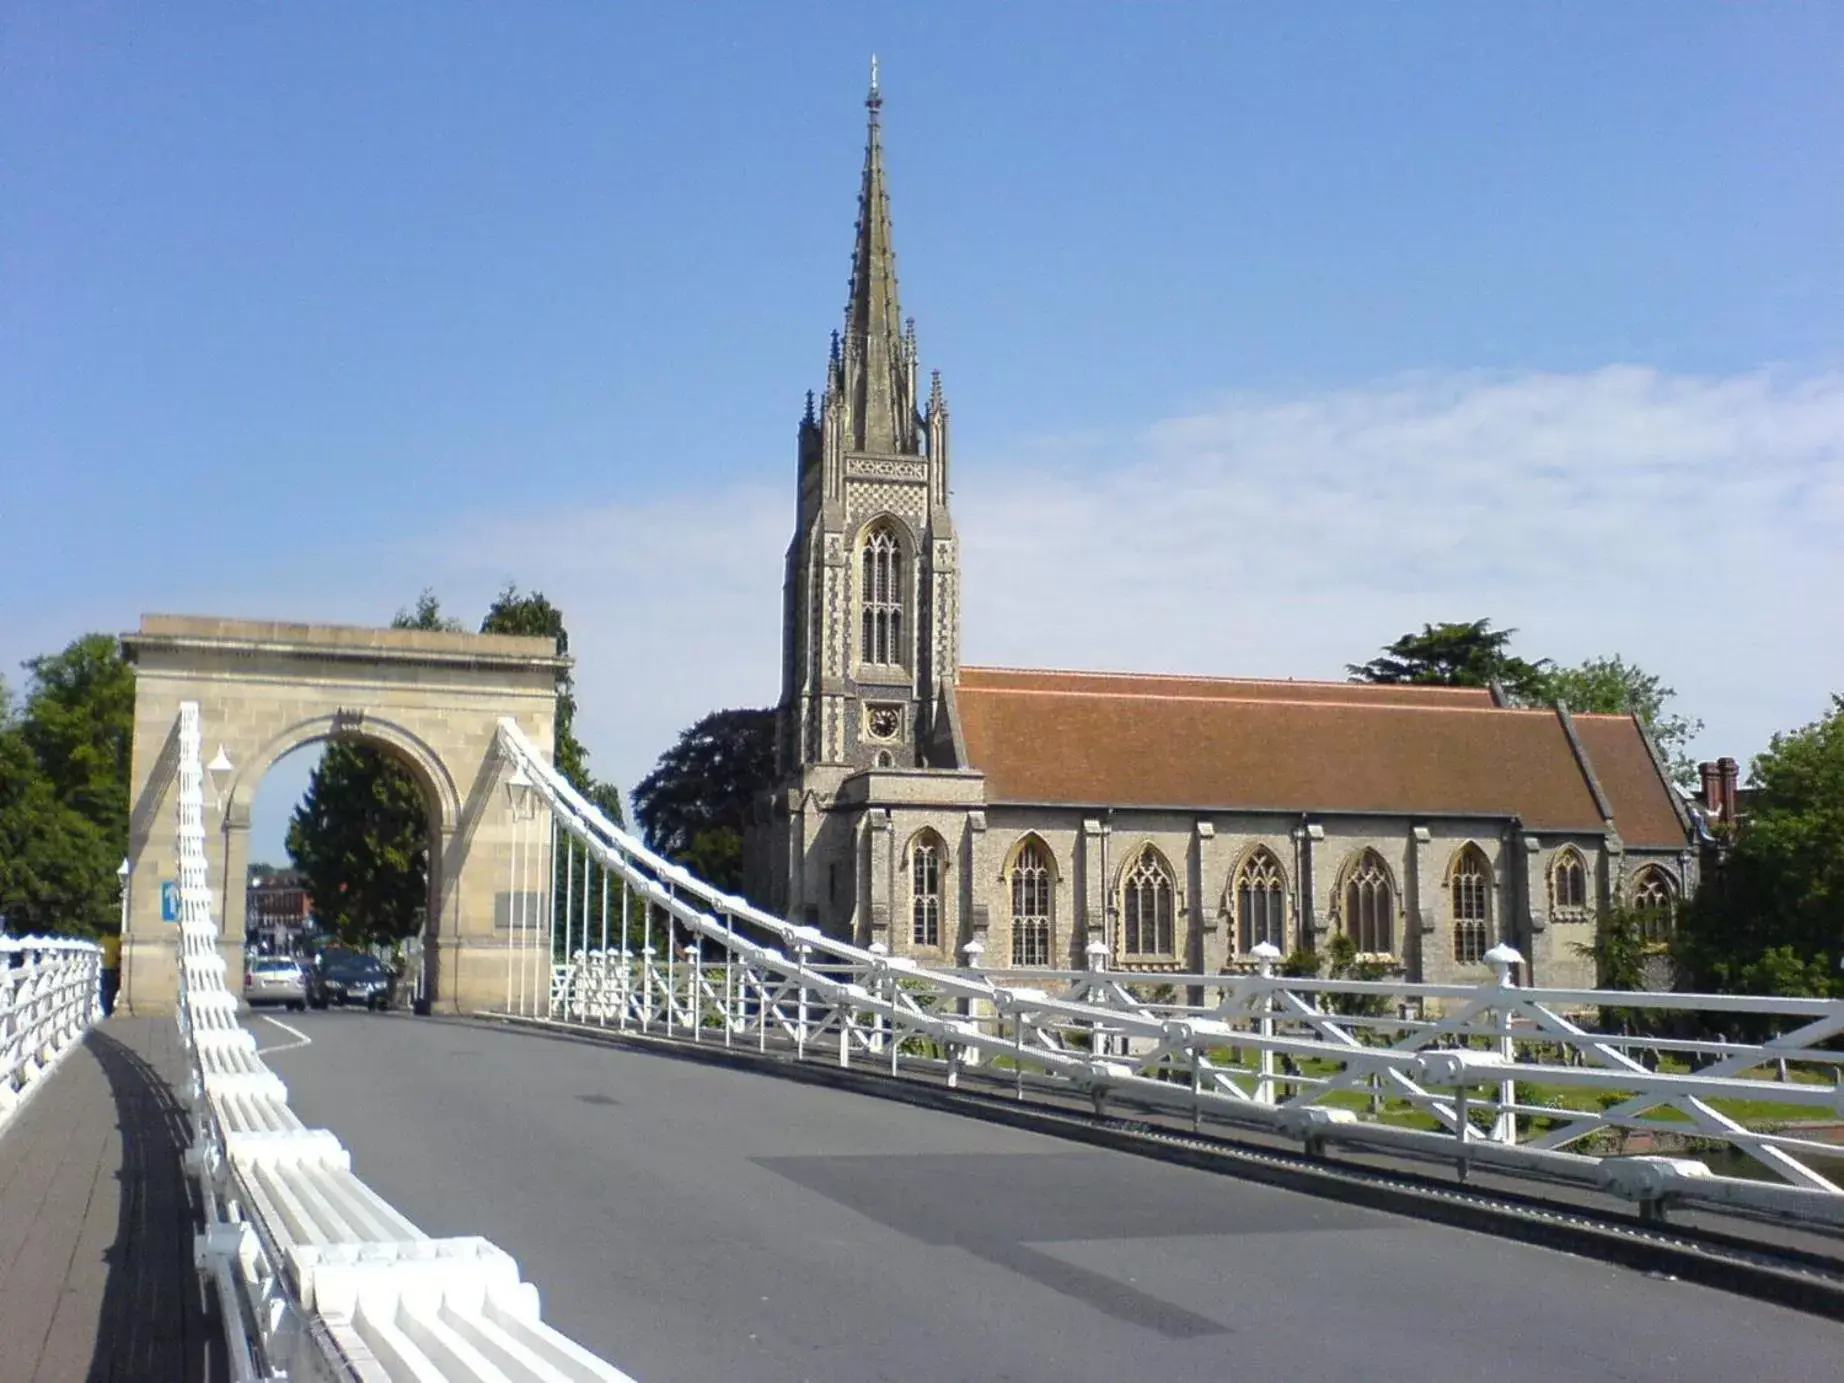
317 1276
50 994
1448 1073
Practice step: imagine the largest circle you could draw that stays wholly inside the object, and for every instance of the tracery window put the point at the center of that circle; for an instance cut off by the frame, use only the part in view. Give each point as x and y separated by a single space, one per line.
925 894
882 596
1655 900
1031 905
1568 886
1470 887
1370 907
1146 907
1261 903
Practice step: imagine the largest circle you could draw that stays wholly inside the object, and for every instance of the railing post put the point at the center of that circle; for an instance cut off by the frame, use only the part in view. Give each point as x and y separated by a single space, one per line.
973 951
1265 954
646 988
1502 958
693 974
1096 953
877 978
802 952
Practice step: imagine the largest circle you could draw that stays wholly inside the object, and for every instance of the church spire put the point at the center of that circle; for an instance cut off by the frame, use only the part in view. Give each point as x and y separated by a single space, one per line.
878 368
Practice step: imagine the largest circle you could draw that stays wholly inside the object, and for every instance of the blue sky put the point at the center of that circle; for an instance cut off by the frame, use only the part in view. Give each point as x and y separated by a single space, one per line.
1359 315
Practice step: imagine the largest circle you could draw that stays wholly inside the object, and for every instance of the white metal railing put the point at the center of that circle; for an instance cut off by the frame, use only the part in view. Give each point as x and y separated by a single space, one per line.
1517 1080
316 1275
50 994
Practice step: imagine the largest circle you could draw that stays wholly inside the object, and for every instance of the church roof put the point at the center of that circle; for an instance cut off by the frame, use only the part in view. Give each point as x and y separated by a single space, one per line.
1642 801
1192 743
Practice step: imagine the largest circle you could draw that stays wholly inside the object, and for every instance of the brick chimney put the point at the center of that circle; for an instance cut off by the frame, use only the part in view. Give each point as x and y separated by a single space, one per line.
1729 774
1712 789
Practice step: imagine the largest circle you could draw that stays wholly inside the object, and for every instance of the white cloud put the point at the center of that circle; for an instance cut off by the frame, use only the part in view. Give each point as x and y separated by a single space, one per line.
1692 525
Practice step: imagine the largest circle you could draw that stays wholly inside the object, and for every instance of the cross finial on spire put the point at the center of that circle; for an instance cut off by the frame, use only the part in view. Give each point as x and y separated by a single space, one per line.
875 94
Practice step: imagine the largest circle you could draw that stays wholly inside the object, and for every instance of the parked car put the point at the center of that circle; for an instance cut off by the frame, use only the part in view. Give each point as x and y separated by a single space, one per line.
349 977
274 980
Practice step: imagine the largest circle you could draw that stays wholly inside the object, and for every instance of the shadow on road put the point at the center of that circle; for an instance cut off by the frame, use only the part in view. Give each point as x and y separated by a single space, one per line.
155 1321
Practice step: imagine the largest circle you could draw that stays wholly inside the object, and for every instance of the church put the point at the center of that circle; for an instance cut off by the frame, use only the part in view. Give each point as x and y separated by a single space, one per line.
1026 819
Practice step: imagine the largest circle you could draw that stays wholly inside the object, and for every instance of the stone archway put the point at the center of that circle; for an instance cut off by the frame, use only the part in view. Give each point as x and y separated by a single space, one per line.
432 699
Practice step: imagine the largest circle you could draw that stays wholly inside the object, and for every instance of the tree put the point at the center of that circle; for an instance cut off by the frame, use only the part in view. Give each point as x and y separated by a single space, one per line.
696 803
1455 655
531 614
1613 686
360 837
1773 917
79 720
64 760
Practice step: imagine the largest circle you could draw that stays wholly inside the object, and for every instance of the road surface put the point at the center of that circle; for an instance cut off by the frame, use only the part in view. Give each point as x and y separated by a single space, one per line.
693 1223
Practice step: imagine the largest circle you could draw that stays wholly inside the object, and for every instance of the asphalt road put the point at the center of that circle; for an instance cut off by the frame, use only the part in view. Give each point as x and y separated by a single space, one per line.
692 1223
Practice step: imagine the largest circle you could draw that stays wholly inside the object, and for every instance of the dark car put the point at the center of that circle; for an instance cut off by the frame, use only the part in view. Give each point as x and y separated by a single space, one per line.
349 977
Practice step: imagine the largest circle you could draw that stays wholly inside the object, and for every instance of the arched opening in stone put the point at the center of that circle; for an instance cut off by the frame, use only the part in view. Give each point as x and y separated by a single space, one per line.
352 824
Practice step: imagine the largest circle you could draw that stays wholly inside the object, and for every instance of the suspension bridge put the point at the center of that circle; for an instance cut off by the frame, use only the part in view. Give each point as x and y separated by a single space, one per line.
662 1133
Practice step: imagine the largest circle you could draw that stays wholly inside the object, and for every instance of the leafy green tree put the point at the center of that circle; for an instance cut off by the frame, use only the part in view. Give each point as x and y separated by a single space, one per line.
1455 655
64 760
696 803
360 836
79 720
1773 916
532 615
360 839
1620 951
1613 686
1342 963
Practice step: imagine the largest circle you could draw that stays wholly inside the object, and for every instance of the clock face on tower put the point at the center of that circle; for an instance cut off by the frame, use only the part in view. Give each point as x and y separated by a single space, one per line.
883 722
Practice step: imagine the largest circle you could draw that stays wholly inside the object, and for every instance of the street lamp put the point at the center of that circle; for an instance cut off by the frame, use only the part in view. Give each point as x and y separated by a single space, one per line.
219 770
519 793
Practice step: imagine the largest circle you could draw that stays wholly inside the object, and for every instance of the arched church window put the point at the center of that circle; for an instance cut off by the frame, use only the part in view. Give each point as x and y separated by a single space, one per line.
1261 903
925 893
1470 887
1146 906
1568 886
882 594
1031 905
1655 900
1370 906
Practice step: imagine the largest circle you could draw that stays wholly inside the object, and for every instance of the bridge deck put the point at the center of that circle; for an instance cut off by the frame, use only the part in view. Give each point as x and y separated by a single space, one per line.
691 1222
96 1224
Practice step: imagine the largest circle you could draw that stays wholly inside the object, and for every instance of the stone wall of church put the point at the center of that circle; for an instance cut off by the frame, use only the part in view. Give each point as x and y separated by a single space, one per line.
850 865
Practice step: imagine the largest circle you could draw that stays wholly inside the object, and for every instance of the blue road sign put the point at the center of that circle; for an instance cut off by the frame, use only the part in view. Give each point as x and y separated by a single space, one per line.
169 900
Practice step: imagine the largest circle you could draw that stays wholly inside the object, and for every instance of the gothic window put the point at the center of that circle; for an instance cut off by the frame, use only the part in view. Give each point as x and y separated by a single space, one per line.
1031 905
1261 903
882 596
1568 886
1370 907
1470 887
1146 907
925 893
1655 900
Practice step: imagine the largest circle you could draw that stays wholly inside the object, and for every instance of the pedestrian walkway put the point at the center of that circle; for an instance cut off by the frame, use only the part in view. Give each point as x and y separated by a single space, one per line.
97 1221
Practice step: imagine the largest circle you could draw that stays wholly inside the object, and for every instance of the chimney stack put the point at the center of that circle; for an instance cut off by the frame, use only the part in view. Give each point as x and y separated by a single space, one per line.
1712 789
1730 774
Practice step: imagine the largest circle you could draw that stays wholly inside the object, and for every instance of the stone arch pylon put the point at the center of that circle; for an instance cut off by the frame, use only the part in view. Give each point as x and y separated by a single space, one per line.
430 698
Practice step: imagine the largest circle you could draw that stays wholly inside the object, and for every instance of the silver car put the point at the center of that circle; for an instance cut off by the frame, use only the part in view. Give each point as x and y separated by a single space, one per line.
274 980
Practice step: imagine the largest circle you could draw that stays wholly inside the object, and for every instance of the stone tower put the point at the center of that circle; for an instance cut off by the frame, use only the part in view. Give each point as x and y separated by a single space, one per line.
871 628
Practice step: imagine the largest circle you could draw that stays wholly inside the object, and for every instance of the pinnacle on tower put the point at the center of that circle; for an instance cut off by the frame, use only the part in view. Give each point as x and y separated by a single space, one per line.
874 369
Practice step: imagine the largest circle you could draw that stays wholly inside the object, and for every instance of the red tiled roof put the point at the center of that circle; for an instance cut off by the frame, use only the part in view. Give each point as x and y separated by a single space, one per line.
1640 798
1204 744
1219 688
